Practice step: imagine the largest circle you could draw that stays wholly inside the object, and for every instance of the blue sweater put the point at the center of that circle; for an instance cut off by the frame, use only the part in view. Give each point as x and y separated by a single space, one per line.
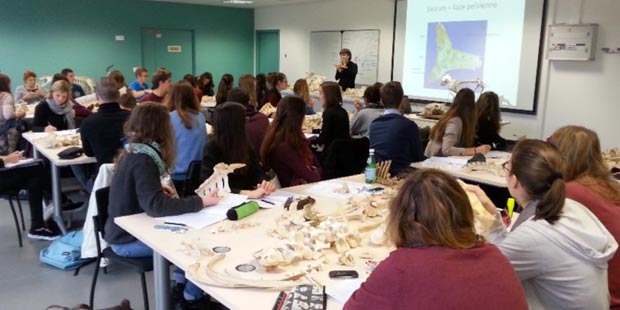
396 138
190 143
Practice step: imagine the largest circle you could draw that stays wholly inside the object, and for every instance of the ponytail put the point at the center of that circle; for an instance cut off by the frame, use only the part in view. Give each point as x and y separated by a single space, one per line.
552 201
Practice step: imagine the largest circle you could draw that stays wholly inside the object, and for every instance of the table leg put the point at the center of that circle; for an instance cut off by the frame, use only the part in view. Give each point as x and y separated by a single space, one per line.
161 273
56 198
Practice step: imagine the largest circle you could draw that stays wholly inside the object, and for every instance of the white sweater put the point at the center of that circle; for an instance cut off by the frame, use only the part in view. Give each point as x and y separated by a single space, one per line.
561 266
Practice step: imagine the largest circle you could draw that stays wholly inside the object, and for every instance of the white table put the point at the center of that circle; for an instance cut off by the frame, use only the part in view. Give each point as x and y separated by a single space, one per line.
55 164
424 121
166 246
482 177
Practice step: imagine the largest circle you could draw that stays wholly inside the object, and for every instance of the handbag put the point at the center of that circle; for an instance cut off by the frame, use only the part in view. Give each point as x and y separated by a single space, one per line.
71 153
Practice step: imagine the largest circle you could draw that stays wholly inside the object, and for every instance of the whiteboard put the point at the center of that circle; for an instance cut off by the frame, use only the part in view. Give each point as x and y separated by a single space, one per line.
325 47
364 46
324 52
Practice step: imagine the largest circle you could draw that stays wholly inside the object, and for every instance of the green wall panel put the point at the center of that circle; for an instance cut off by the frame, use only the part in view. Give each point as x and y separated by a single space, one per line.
48 35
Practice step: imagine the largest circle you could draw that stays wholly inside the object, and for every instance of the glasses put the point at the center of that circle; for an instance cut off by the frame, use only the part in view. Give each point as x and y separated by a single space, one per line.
506 167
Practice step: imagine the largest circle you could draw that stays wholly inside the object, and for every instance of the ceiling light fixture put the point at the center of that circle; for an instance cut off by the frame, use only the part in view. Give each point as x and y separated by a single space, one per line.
238 1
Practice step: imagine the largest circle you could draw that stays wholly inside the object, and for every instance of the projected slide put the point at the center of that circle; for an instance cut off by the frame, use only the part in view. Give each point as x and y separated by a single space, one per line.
468 40
456 48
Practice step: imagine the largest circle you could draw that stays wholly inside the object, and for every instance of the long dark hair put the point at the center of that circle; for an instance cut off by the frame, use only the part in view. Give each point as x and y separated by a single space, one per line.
183 100
332 94
226 83
207 88
463 107
229 133
261 87
418 215
5 83
286 127
488 109
537 166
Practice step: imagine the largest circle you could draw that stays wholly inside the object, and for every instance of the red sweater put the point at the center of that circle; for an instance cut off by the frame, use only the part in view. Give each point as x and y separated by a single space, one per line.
152 98
256 126
441 278
609 214
293 169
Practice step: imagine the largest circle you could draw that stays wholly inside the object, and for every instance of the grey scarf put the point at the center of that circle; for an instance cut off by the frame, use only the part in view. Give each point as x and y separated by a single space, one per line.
66 111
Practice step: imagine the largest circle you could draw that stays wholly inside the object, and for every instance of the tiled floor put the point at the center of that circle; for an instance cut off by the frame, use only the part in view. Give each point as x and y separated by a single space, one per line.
26 283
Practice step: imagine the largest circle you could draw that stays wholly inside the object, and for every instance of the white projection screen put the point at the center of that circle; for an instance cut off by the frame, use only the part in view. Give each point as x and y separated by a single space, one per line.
495 41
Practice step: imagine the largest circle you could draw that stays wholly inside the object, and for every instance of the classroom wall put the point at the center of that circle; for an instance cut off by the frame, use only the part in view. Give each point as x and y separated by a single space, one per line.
569 92
48 35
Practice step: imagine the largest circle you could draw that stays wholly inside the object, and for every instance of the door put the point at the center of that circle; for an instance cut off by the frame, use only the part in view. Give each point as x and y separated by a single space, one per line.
267 51
169 48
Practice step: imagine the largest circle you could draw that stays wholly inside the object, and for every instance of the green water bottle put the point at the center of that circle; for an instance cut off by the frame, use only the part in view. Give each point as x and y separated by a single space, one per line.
371 168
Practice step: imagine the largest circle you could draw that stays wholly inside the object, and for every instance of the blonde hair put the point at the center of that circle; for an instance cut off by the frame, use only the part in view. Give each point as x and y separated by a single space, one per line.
301 89
247 83
60 86
583 161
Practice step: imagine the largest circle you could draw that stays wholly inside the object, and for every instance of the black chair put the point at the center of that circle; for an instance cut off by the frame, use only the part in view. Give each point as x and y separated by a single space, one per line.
10 195
138 264
345 157
425 133
192 179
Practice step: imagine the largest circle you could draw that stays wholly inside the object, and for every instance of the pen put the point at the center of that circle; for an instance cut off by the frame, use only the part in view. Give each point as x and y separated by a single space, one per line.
178 224
267 201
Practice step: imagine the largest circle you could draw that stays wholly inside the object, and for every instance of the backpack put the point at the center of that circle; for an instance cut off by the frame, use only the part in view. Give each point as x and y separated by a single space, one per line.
64 253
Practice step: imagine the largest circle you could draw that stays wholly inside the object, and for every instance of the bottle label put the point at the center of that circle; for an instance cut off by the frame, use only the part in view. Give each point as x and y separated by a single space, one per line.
370 175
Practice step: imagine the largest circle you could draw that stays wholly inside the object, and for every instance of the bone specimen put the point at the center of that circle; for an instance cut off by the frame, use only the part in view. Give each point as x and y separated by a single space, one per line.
219 179
53 140
311 122
488 166
434 109
268 109
483 220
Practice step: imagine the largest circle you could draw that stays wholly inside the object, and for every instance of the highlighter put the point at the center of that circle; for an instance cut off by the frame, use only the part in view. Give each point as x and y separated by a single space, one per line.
241 211
510 205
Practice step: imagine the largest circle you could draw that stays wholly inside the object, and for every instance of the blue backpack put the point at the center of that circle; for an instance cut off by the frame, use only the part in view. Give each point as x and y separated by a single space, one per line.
64 253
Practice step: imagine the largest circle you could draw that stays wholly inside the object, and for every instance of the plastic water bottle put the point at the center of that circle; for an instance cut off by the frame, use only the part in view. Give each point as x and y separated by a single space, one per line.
371 168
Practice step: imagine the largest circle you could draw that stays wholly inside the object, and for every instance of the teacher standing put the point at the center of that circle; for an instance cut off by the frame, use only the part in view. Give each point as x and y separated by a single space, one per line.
346 70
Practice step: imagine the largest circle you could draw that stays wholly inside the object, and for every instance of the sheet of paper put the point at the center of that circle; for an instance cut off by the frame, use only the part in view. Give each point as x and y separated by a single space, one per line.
341 290
330 188
209 215
23 162
310 135
451 163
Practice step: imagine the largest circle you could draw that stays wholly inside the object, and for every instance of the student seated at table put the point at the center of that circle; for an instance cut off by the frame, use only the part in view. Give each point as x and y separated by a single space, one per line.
189 129
279 82
590 183
30 91
335 119
439 262
226 84
35 179
161 82
256 123
55 112
230 145
206 84
557 246
489 118
101 133
76 90
8 117
366 114
136 186
393 136
454 134
301 89
139 86
285 148
80 111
